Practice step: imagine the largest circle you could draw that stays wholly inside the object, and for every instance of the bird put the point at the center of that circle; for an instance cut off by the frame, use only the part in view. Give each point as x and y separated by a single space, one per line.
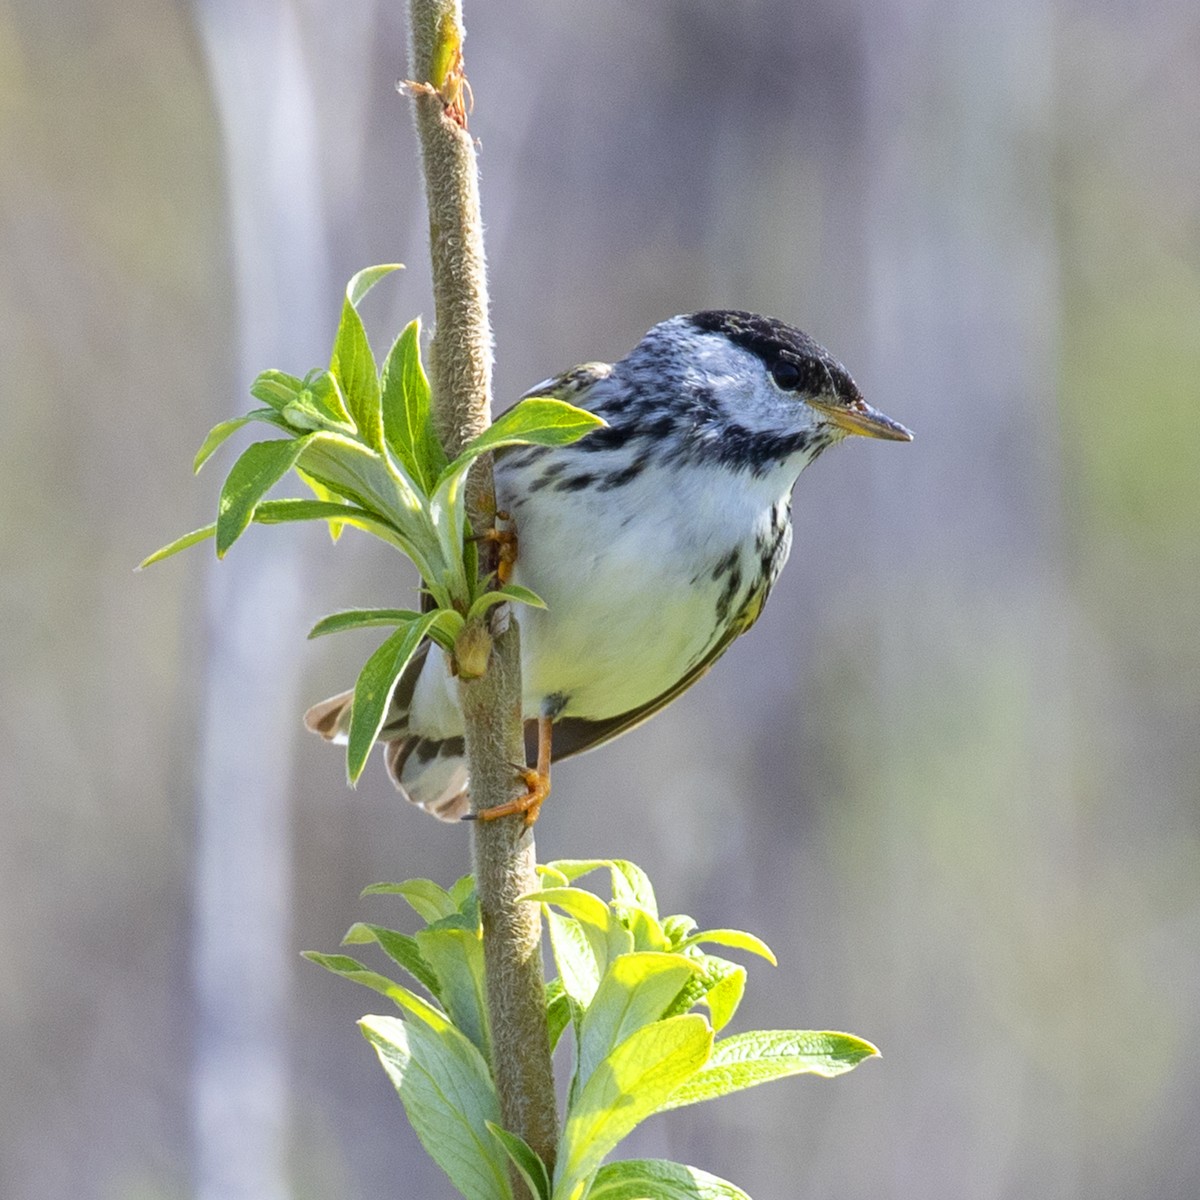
654 541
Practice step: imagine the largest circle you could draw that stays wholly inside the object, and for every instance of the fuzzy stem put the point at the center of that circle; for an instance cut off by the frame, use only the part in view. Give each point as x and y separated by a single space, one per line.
460 375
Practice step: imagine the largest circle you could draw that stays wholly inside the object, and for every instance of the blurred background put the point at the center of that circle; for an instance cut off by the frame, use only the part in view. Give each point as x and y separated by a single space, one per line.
952 775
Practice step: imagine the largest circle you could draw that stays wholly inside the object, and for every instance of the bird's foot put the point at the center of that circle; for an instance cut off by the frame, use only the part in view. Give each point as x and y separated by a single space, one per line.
537 788
505 541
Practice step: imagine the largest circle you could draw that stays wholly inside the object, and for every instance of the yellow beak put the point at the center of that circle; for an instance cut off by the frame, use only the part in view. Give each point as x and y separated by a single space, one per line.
860 418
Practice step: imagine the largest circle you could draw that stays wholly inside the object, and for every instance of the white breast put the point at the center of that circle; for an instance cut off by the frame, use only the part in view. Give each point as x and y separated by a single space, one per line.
627 579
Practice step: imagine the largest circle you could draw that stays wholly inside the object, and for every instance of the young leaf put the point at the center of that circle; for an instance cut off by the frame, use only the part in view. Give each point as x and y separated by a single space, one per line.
360 618
353 364
373 690
725 984
455 952
351 969
450 1100
606 936
407 425
323 396
578 971
362 282
559 1010
180 543
634 1081
635 991
736 938
259 469
531 1167
657 1179
462 892
430 901
538 421
400 948
747 1059
630 884
218 433
273 512
279 512
276 388
368 479
323 494
512 591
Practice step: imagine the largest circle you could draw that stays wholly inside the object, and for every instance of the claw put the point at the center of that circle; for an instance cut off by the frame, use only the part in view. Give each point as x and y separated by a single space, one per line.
506 541
528 805
536 781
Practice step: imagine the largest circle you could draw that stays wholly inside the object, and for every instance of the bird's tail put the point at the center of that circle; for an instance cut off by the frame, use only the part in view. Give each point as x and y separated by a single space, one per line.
428 772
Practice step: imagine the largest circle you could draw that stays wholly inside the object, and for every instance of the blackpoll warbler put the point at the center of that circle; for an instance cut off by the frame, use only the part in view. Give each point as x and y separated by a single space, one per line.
654 541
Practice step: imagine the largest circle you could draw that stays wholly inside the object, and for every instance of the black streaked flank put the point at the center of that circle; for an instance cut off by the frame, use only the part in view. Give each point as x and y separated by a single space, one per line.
575 483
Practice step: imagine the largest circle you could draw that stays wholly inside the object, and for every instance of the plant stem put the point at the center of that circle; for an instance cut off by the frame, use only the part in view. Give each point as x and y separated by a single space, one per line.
460 375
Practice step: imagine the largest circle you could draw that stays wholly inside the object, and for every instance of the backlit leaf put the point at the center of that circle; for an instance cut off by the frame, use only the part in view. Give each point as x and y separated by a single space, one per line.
259 469
450 1100
656 1179
373 690
632 1082
747 1059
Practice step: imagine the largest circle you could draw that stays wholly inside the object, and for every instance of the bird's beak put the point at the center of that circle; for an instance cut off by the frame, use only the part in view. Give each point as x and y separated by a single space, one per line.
859 417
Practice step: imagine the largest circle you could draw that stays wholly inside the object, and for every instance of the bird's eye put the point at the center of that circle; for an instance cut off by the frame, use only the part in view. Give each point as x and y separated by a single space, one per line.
786 375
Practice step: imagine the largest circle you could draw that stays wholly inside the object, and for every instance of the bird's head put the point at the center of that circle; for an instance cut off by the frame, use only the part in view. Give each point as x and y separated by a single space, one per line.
774 380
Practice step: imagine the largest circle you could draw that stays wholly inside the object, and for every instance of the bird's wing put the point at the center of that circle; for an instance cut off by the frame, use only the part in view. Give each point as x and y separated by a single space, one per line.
576 735
572 384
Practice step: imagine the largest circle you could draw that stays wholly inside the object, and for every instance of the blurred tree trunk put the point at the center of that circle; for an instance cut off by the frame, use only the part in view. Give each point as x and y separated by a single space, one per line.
241 963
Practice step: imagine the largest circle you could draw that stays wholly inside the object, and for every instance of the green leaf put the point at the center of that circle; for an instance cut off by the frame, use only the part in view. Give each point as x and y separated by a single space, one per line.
531 1167
635 991
361 283
538 421
606 936
259 469
373 690
407 419
647 932
368 479
725 984
324 494
351 969
280 512
747 1059
400 948
657 1179
428 900
218 433
462 892
451 1103
276 388
630 884
578 971
559 1009
323 396
180 543
454 950
510 592
736 938
359 618
678 927
634 1081
352 363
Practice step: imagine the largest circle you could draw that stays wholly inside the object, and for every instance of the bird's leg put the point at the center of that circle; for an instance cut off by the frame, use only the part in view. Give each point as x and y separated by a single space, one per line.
536 780
505 541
